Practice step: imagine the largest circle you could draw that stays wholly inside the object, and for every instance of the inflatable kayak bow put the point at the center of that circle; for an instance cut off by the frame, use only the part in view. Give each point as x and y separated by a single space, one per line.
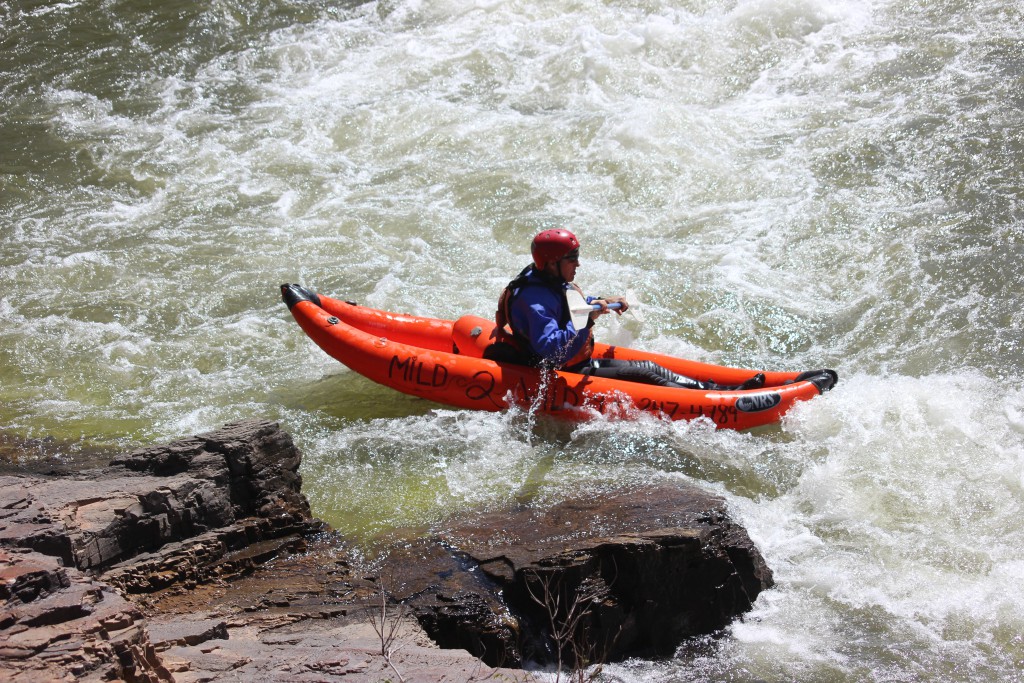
442 360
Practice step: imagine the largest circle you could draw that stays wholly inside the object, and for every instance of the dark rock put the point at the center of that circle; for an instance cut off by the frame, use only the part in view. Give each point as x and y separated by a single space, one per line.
257 462
213 506
636 571
457 605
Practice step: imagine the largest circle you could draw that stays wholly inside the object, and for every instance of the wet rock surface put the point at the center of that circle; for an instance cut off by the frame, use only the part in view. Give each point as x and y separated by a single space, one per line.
199 560
638 571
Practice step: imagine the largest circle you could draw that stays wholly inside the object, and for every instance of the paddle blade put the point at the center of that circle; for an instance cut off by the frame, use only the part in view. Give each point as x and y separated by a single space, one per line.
579 309
635 307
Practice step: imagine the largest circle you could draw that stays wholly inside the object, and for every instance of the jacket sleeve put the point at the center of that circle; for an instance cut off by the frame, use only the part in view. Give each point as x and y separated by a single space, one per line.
535 313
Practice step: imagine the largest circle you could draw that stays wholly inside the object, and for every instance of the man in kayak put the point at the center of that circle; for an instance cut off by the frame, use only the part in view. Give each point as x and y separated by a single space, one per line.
536 328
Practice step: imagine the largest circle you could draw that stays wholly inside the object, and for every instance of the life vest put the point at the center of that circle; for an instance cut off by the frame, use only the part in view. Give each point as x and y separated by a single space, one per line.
512 345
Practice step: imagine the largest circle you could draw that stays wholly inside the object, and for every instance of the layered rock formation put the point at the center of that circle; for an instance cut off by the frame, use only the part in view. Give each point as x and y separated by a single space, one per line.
203 508
56 623
153 569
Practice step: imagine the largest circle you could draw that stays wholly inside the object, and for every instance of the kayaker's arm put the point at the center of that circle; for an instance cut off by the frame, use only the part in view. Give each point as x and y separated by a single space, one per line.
607 304
539 322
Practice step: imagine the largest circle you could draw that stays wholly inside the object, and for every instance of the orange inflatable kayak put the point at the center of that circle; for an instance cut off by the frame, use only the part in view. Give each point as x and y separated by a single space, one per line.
442 361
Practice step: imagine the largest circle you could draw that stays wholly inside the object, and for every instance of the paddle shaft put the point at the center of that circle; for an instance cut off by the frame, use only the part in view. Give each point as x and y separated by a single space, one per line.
596 307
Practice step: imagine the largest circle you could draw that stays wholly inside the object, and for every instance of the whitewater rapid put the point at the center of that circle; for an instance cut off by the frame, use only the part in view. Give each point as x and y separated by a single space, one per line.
785 184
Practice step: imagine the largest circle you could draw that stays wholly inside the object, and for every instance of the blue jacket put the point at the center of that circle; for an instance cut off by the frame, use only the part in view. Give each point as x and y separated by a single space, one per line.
539 313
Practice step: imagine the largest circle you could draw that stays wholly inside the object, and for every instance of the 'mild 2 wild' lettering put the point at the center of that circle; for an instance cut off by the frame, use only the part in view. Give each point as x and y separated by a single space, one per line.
415 371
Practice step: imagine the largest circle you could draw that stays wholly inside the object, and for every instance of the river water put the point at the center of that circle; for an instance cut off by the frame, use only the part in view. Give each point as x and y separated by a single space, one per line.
785 184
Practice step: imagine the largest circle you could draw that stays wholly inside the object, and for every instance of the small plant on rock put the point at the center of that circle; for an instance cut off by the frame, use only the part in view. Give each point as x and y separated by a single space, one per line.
569 616
387 619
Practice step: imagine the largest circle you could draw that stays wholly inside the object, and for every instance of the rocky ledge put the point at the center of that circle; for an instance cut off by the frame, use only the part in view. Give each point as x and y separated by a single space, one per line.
199 560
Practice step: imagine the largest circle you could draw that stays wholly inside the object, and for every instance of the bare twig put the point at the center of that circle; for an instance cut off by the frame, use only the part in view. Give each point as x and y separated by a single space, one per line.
388 625
568 626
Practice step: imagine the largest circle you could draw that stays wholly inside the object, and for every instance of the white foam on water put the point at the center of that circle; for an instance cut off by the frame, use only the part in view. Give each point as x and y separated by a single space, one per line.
894 543
900 535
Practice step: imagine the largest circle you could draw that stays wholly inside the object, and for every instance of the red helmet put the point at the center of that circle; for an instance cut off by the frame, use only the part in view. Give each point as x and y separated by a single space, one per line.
551 245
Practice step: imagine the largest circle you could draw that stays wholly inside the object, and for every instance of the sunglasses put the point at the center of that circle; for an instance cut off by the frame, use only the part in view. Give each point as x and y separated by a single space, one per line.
573 256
